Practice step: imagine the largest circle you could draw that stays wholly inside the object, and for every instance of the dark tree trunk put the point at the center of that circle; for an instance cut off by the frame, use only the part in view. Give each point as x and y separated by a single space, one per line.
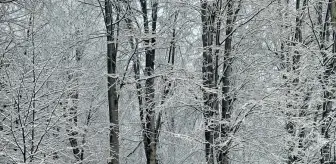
227 99
136 66
293 85
215 132
150 124
208 81
73 111
211 24
328 94
112 49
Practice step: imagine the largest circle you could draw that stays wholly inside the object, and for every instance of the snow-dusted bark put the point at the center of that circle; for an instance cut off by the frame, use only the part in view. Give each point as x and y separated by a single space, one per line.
73 106
211 112
327 82
216 120
296 101
112 27
150 122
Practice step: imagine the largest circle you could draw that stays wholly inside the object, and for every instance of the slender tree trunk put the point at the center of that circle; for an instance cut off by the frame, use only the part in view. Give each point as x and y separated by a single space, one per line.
227 99
207 71
73 109
112 49
215 132
136 66
286 65
150 123
328 94
294 129
30 38
168 87
171 60
210 39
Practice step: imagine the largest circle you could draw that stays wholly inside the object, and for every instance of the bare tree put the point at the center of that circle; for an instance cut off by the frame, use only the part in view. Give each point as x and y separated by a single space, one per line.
216 131
150 123
73 104
112 30
328 91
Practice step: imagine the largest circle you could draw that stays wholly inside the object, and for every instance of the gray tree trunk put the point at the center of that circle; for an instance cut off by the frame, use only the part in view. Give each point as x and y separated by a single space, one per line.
112 49
227 99
292 128
328 95
211 25
208 81
150 123
215 132
73 78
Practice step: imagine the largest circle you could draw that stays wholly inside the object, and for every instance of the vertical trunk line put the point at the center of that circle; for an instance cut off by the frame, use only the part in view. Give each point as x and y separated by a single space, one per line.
227 99
112 50
150 131
328 95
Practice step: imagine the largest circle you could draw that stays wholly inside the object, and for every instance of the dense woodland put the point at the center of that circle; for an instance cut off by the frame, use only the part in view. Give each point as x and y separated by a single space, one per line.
167 81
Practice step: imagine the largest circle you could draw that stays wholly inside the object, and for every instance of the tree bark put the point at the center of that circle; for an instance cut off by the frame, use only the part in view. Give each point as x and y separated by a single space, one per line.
112 50
227 99
207 70
73 110
211 24
150 123
293 87
328 95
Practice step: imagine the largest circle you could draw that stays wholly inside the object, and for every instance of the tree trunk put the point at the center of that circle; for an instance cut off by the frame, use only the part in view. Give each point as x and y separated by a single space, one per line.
207 71
73 109
227 99
210 74
112 49
150 123
293 88
328 95
215 132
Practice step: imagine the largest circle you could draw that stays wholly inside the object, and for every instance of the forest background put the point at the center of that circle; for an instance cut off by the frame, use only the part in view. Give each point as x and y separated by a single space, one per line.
167 81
